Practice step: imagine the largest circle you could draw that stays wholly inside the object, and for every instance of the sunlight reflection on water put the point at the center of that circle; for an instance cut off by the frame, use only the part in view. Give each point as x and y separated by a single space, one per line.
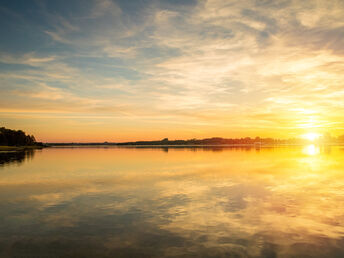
121 202
311 150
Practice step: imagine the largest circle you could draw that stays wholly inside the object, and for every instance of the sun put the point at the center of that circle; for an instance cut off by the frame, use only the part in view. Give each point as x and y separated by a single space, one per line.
311 136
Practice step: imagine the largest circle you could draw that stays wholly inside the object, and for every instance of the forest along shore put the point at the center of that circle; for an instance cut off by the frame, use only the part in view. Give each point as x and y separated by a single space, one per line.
17 140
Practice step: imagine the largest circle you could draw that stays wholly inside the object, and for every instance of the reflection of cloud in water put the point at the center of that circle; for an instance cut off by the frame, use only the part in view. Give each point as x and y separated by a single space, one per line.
135 203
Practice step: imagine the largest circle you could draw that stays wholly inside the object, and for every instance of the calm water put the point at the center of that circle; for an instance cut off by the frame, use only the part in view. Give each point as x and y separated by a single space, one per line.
127 202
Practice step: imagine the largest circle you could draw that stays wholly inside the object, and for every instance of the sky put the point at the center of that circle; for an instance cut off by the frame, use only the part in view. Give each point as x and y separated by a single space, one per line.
103 70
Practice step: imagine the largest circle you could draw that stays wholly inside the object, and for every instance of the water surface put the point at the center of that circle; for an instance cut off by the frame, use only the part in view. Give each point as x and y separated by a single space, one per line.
173 202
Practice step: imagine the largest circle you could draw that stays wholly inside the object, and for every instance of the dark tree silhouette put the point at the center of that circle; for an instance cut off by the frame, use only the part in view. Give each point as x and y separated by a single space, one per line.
10 137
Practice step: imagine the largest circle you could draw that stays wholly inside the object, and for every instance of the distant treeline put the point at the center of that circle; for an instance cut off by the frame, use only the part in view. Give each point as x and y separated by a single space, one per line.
214 141
207 141
10 137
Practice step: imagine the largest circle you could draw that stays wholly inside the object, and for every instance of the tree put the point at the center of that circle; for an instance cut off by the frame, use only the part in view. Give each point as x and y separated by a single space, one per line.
15 138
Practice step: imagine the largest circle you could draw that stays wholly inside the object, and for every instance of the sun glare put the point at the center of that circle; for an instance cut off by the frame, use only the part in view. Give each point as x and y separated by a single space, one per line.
311 150
311 136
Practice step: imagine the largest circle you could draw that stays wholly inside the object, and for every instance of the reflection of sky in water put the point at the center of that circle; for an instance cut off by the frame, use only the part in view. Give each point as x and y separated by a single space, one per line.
85 202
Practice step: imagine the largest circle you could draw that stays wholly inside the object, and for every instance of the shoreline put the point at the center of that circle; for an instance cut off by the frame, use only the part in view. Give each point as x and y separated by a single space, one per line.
20 148
185 145
81 145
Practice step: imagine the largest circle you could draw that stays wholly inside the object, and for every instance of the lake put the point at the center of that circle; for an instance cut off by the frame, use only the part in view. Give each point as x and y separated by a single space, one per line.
173 202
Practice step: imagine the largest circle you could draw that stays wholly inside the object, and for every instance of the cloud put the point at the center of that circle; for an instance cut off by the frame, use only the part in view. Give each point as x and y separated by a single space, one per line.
205 61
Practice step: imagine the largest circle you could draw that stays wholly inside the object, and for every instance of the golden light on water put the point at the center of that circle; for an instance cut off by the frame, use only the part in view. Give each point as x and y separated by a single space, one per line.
311 150
285 201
